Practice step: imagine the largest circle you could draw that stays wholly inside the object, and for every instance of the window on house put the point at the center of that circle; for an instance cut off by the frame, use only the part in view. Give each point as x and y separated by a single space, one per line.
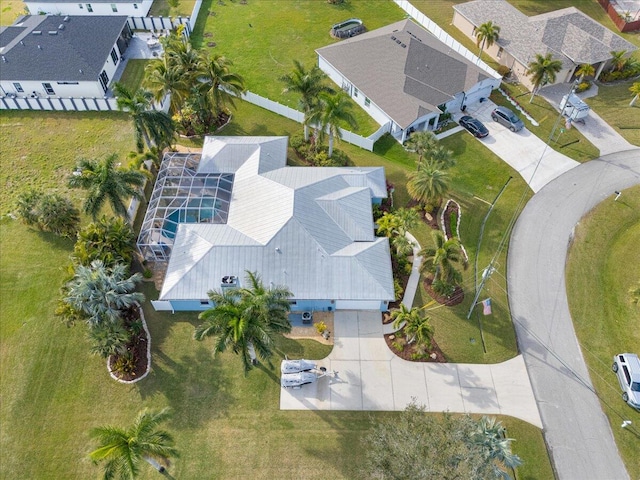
114 56
204 302
367 102
499 52
114 8
49 89
355 92
18 87
89 7
104 81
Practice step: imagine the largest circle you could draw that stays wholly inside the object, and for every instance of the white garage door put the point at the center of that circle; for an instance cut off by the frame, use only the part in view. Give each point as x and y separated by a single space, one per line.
475 95
357 305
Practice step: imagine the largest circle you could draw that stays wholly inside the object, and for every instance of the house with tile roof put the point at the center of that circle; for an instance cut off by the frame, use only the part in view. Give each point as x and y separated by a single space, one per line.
403 75
568 34
133 8
238 207
48 56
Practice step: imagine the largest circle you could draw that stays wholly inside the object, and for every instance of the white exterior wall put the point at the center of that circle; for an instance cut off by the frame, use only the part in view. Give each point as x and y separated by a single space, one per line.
372 109
80 8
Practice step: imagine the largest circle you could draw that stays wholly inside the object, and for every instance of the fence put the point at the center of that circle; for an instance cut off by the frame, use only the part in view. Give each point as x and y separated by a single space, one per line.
158 23
297 116
80 104
444 37
622 23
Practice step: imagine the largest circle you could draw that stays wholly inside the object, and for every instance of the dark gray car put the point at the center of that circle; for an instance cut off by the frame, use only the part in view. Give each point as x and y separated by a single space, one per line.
506 117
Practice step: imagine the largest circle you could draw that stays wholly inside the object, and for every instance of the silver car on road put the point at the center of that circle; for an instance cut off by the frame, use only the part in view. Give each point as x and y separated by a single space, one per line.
627 368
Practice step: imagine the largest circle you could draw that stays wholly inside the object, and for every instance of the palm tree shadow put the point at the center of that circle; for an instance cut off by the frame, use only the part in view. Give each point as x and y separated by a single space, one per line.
269 371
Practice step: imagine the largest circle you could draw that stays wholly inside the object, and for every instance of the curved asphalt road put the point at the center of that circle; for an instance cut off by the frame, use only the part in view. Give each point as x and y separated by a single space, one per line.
577 432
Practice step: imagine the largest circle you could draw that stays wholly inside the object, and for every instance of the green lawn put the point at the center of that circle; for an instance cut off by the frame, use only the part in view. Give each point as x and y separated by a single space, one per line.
602 266
225 425
161 8
134 74
263 38
11 10
612 104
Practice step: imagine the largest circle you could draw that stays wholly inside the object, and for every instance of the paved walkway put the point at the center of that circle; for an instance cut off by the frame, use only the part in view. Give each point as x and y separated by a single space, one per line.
577 432
371 377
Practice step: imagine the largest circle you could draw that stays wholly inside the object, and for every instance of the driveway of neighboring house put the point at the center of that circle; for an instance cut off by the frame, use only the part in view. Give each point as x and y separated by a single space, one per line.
371 377
522 150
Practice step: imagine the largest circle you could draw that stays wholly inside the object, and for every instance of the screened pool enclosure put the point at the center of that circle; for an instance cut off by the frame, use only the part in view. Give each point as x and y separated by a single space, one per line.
182 195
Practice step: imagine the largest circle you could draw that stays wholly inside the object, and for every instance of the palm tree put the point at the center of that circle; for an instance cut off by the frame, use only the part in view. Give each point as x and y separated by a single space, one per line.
111 240
441 157
123 448
109 338
618 60
102 294
585 70
428 184
104 181
163 77
543 70
388 225
154 127
486 35
422 143
635 90
332 110
218 83
308 84
246 320
416 327
490 436
440 258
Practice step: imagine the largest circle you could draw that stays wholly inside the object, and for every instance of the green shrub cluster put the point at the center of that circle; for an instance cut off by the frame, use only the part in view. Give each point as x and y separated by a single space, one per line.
49 212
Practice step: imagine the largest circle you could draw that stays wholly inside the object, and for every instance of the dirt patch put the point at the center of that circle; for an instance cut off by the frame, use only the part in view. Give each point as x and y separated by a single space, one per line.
310 332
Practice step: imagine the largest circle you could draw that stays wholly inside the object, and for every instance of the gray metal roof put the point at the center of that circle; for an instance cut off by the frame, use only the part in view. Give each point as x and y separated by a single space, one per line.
72 48
569 34
310 228
117 2
403 69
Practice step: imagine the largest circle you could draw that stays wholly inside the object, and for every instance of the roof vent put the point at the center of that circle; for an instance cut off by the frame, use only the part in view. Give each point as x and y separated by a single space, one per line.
393 37
21 42
53 32
66 19
36 32
4 59
403 45
278 250
81 72
39 47
61 26
398 42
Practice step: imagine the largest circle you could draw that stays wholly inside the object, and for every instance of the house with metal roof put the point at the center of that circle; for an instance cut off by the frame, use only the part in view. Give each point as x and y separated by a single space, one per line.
403 75
137 8
568 34
238 207
44 56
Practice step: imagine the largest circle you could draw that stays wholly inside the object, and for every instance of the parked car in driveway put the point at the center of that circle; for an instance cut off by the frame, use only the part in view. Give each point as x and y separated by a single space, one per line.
474 126
506 117
627 368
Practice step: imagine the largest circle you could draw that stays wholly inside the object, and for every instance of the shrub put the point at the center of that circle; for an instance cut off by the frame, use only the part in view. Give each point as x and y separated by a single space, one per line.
443 288
124 364
503 70
398 289
49 212
111 240
583 87
297 141
109 338
399 344
321 327
147 273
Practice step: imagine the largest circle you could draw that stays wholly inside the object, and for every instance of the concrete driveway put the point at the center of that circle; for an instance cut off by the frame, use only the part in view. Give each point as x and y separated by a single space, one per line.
371 377
522 150
577 432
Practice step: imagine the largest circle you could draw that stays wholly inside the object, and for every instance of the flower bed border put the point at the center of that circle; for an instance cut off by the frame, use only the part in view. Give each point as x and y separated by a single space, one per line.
146 331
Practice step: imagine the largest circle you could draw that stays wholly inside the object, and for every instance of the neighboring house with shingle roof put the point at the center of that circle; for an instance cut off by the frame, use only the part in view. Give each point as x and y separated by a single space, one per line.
238 207
132 8
404 75
568 34
51 55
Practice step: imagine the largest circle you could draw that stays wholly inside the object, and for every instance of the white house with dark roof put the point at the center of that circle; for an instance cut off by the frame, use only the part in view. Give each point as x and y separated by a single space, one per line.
132 8
403 75
568 34
46 56
238 207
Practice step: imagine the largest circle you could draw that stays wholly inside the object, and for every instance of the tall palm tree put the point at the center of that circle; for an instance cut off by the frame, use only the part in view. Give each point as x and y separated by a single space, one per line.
163 77
246 320
332 110
153 127
102 294
618 60
308 84
219 83
585 70
543 70
441 157
422 143
440 258
486 35
490 436
428 184
105 181
635 90
124 448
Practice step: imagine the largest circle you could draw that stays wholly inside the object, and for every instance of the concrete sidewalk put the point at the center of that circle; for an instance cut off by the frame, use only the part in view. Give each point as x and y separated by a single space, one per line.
371 377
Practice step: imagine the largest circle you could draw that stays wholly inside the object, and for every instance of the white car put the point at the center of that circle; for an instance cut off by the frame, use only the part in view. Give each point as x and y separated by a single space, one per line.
627 368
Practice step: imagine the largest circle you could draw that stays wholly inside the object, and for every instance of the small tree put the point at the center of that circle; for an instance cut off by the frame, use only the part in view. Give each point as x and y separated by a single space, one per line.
110 240
543 70
49 212
429 184
440 259
635 90
109 338
422 143
332 110
486 35
585 70
490 436
416 326
618 60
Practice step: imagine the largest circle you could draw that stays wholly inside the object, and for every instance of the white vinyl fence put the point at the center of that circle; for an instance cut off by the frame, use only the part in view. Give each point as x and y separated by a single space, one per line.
80 104
444 37
158 23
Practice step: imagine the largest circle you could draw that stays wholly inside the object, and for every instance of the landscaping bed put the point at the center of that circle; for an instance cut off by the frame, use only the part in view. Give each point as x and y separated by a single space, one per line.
411 352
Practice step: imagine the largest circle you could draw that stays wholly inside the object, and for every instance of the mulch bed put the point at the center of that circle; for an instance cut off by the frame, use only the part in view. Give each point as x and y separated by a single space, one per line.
409 350
455 299
137 346
451 209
